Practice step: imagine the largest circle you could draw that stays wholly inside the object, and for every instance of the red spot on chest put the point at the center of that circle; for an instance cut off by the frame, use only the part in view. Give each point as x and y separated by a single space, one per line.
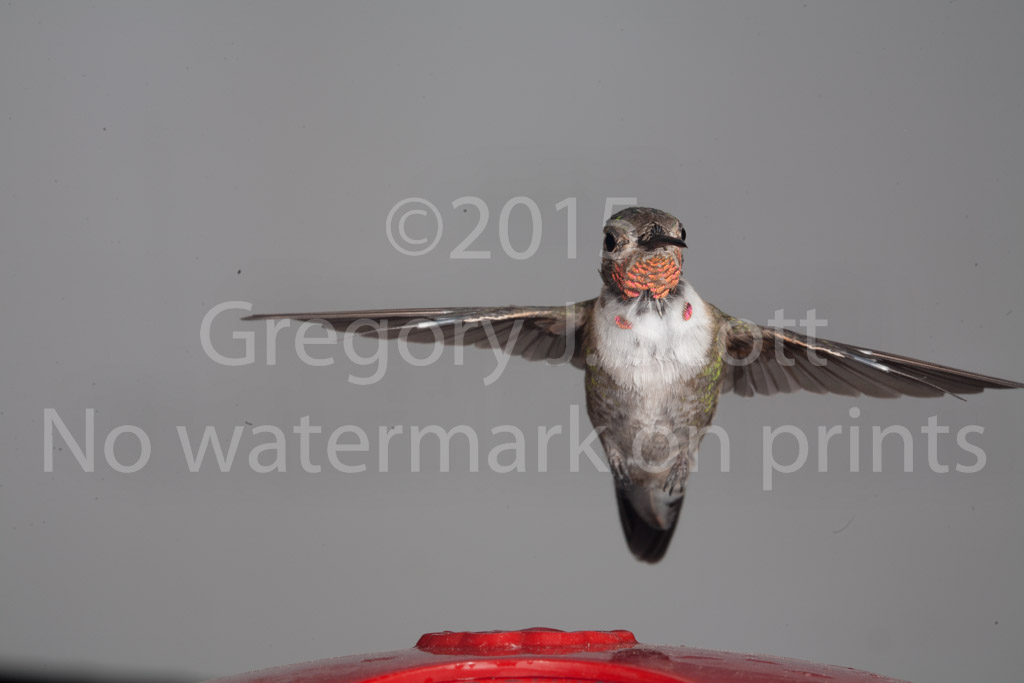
623 323
688 311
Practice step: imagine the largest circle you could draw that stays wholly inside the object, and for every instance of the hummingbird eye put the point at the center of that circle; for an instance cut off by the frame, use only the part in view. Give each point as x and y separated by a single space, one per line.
610 243
682 233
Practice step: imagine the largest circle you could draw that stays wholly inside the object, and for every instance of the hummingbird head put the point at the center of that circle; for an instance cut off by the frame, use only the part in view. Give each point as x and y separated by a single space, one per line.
643 254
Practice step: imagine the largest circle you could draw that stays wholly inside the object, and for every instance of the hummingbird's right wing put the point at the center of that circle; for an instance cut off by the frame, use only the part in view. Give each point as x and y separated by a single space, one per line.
767 360
554 333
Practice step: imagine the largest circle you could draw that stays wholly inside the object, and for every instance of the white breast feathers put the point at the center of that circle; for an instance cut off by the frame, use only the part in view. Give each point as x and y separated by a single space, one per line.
648 350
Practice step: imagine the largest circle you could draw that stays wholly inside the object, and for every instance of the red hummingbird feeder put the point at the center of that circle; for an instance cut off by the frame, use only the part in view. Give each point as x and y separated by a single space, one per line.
549 655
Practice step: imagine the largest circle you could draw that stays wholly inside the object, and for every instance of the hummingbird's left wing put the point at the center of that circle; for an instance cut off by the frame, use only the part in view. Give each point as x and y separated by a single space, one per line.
765 360
554 333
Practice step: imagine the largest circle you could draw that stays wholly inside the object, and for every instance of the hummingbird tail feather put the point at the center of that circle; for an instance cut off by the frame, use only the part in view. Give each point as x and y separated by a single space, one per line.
647 543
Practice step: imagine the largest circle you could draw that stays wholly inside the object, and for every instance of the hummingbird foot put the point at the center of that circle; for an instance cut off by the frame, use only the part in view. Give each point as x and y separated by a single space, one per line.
675 482
619 470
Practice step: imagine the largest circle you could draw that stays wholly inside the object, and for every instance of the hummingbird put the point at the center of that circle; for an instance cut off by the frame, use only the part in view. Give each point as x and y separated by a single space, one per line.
656 358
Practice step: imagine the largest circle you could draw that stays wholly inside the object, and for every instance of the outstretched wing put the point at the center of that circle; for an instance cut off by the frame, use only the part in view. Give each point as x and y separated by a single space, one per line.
553 333
764 360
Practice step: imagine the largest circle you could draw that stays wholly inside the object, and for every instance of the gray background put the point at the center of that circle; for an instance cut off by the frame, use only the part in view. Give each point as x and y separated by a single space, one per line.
863 159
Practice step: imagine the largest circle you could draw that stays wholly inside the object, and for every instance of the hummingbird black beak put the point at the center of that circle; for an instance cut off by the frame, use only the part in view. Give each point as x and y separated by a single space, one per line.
656 241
